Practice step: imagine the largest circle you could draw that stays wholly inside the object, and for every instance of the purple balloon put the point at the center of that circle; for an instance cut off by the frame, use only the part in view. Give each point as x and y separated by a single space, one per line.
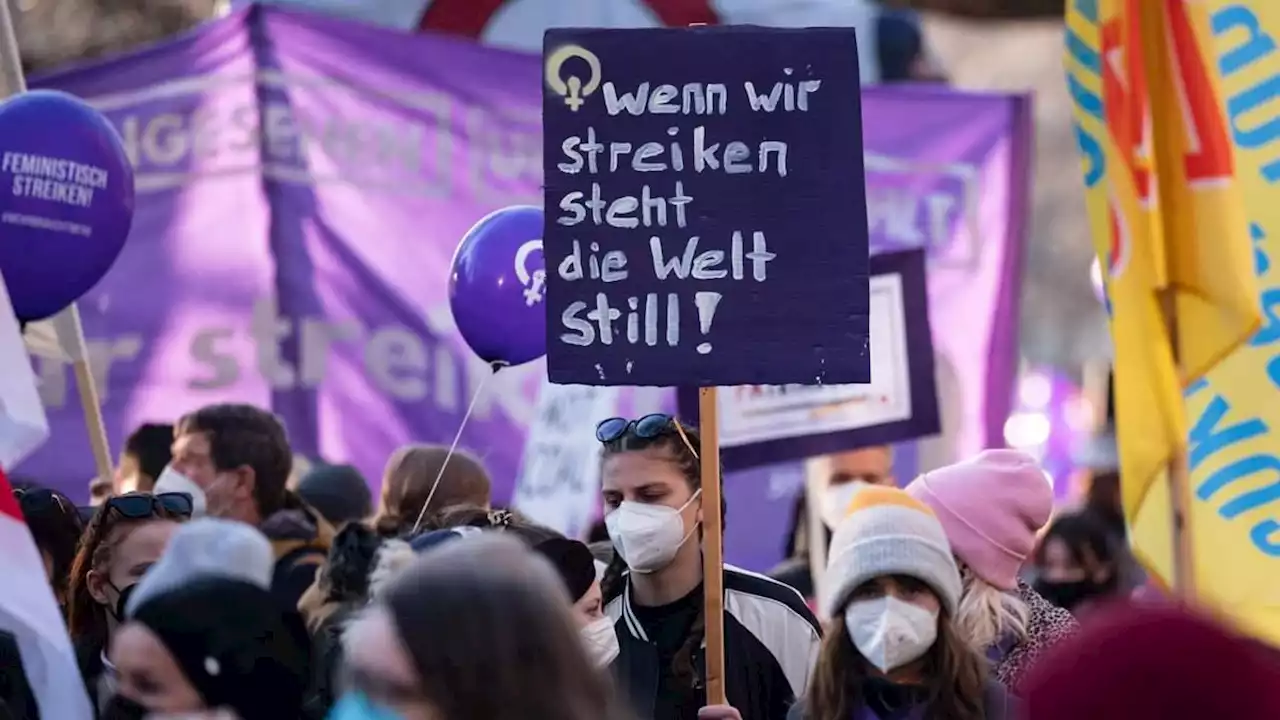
66 200
497 289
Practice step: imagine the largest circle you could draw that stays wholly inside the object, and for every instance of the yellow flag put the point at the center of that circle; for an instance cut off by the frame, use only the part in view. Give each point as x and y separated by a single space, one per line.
1166 213
1211 72
1118 184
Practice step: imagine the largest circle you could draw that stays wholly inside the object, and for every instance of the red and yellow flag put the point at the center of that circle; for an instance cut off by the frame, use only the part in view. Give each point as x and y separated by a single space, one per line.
1178 116
1166 212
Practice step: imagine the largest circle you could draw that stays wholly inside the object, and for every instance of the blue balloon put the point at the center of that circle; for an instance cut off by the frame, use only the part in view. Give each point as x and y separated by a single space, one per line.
497 287
66 200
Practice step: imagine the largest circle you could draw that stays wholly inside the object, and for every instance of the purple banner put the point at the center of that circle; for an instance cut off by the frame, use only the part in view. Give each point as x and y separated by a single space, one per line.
303 182
950 172
760 507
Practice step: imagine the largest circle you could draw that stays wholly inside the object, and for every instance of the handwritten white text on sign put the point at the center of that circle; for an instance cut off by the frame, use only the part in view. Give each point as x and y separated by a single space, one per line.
662 212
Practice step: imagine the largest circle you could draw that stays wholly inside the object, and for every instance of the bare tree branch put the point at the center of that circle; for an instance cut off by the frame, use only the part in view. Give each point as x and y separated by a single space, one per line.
56 32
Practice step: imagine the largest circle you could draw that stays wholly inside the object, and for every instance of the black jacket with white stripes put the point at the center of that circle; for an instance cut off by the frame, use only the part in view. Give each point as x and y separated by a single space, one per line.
771 644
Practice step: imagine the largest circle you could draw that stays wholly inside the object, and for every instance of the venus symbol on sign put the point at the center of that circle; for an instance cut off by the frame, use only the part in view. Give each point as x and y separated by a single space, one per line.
534 282
572 89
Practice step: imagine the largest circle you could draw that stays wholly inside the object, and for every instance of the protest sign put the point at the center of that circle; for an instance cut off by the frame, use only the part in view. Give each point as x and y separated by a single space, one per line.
706 216
559 481
763 424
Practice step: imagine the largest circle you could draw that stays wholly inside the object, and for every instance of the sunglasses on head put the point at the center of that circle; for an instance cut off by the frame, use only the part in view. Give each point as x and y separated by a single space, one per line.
649 427
136 506
38 500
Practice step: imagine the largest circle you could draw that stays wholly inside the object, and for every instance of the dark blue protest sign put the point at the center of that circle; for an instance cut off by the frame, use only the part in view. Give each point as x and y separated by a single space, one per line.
705 203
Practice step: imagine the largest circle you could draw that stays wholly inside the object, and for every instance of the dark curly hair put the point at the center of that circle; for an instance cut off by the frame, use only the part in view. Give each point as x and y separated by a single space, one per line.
240 434
351 555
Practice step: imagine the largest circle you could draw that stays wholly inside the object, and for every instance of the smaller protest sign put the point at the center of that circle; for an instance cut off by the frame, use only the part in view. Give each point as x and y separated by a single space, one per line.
706 216
66 200
559 481
768 424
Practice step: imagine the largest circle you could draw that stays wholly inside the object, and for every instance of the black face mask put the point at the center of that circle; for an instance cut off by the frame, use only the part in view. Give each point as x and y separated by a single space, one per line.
122 599
123 708
1067 595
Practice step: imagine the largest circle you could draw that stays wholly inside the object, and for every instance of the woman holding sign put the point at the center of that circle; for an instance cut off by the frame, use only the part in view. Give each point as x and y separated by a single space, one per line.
653 588
892 651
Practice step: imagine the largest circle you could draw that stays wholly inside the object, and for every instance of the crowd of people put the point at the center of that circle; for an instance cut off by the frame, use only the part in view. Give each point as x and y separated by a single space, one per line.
211 582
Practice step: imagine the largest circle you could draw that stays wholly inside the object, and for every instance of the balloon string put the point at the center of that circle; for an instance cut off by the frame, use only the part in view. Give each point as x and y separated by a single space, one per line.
454 445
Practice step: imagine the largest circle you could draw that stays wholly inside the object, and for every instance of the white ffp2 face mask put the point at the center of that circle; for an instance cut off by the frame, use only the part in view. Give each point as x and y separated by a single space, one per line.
889 632
836 500
648 536
171 480
601 641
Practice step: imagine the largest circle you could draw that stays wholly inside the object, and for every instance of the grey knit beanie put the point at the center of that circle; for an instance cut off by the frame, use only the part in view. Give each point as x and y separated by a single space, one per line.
207 547
887 532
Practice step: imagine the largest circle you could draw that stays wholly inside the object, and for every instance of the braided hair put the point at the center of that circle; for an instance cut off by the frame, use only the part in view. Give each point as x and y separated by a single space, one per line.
672 447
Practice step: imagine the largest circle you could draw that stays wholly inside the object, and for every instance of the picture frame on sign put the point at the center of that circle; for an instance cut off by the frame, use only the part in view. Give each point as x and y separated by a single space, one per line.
761 425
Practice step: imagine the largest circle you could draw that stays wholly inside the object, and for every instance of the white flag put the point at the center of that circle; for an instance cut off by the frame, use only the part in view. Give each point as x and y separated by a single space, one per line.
23 425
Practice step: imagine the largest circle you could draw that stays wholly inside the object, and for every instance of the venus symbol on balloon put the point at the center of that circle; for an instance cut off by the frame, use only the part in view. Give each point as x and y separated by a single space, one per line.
534 282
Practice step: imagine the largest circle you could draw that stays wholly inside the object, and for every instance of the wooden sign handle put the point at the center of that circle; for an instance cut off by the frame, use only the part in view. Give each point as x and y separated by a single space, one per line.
712 544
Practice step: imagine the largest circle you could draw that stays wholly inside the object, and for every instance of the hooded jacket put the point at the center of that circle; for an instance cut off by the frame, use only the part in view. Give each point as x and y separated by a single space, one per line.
355 561
300 540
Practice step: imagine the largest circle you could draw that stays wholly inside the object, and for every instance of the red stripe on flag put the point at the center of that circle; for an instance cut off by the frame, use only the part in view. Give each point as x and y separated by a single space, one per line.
8 503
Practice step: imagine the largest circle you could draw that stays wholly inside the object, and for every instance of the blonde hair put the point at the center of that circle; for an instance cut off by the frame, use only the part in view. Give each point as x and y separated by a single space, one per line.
986 614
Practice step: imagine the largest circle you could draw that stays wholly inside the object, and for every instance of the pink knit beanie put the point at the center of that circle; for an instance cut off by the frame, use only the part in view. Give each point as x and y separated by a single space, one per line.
991 507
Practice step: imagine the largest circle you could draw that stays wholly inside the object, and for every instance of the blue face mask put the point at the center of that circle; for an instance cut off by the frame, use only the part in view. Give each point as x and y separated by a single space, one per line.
357 706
